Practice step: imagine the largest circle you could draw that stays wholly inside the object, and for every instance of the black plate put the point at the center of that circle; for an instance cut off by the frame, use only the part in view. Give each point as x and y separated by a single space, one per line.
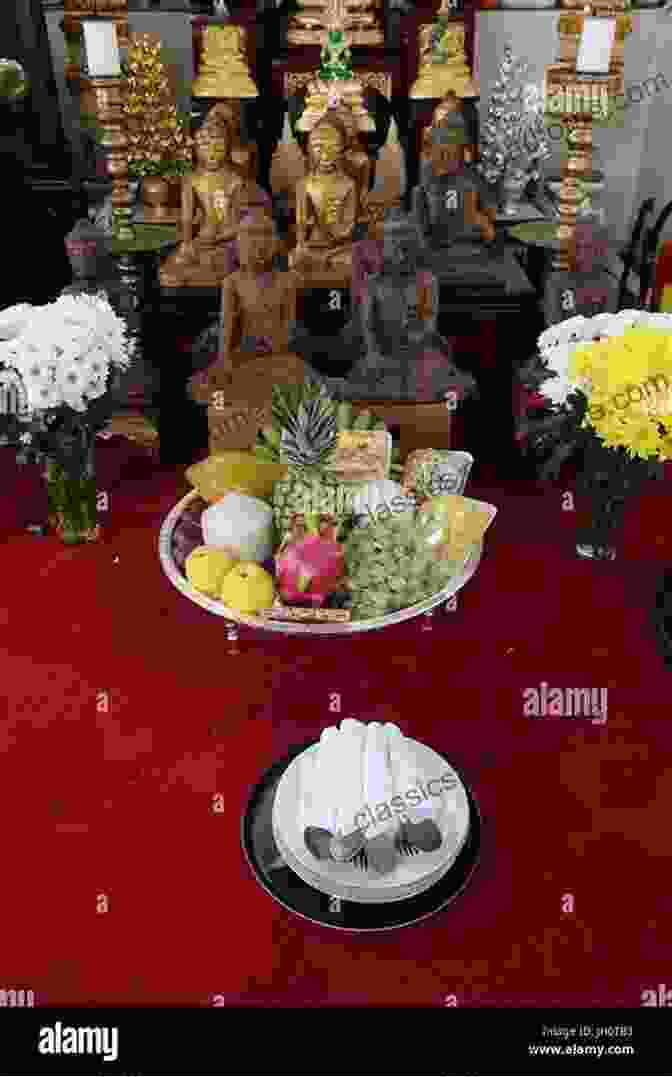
298 897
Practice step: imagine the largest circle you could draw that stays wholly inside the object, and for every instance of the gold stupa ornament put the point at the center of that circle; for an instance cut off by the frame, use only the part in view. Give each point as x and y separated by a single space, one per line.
224 71
359 18
443 66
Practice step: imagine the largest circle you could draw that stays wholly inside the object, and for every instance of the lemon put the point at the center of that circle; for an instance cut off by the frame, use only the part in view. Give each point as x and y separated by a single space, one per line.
206 567
247 588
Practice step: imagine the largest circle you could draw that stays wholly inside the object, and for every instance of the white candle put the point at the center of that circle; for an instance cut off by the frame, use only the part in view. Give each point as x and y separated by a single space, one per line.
101 48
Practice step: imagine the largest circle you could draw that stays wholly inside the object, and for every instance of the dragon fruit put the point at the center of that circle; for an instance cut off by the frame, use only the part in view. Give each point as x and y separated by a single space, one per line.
310 564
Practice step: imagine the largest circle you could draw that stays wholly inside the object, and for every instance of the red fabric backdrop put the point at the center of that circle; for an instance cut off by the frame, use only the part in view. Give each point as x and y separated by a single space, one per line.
119 802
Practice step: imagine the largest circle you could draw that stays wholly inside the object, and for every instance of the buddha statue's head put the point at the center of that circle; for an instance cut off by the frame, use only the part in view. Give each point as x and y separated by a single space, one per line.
449 143
449 113
226 114
326 146
401 244
213 147
453 42
257 241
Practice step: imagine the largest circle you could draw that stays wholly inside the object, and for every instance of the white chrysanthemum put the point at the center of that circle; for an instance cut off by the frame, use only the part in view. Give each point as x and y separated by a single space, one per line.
562 335
556 390
95 387
13 320
96 363
43 395
71 351
71 377
35 369
656 321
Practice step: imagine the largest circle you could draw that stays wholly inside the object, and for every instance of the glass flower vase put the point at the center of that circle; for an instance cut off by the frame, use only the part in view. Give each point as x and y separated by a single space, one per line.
607 486
71 491
601 524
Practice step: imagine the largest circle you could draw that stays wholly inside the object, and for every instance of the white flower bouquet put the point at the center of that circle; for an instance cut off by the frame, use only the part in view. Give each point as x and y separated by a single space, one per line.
62 362
65 352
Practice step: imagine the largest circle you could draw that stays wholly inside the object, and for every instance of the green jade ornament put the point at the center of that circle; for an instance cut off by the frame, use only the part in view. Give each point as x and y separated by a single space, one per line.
335 58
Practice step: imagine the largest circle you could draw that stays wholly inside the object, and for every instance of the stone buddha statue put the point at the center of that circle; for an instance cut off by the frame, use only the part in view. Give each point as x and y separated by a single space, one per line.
258 317
587 288
213 197
327 208
224 72
442 66
405 357
455 214
243 153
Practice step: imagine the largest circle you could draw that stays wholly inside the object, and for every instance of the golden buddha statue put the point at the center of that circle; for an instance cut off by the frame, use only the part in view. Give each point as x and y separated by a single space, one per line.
361 18
327 208
224 71
356 160
451 72
213 197
243 154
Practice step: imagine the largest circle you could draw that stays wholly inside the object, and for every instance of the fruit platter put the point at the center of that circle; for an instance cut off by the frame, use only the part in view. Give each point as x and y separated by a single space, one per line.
320 528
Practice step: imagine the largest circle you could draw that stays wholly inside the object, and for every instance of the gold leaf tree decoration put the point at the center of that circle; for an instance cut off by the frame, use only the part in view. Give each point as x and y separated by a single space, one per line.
159 143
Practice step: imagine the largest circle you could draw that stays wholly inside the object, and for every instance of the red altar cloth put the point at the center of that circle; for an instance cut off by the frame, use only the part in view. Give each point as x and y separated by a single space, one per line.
124 715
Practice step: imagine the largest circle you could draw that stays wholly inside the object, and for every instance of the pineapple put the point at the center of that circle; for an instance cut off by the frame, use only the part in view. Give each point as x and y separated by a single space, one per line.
309 421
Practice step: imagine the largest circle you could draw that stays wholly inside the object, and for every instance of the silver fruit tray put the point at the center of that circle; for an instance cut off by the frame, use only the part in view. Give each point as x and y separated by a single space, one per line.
289 628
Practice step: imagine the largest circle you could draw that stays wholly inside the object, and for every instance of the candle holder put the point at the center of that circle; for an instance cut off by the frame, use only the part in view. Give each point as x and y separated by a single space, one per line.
108 97
103 95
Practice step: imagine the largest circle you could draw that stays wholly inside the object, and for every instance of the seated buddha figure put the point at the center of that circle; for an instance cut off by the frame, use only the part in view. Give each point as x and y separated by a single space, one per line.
327 207
243 153
355 159
258 316
213 197
453 211
405 357
588 288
